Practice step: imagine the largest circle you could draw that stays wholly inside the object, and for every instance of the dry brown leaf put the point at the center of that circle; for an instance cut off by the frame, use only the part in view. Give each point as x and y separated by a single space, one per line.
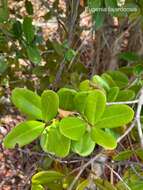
63 113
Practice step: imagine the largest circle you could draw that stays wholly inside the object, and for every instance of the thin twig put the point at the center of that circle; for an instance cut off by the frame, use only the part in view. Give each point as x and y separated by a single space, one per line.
29 152
127 102
136 120
59 73
81 171
138 113
118 176
79 49
127 131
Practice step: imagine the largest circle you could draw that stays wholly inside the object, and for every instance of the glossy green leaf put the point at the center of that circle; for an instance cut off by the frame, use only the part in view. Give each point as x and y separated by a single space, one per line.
84 146
27 102
125 95
29 7
120 78
37 187
66 98
109 80
124 155
55 185
104 139
115 116
23 134
54 142
100 81
45 177
95 105
72 127
85 85
33 54
112 94
49 105
80 101
28 29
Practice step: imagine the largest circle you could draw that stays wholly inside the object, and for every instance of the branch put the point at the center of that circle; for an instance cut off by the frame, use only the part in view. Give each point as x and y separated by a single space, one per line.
59 73
136 120
118 176
92 160
138 113
127 102
79 49
127 131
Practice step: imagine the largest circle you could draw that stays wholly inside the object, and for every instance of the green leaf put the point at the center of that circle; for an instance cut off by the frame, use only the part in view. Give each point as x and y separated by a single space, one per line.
120 78
94 4
4 13
129 56
124 155
49 104
72 127
17 29
3 65
95 105
104 184
115 116
125 95
80 101
99 18
45 177
37 187
23 134
58 48
29 7
138 70
55 185
112 94
104 139
84 146
28 29
109 80
28 102
100 81
127 70
133 180
33 54
111 3
83 185
66 98
60 147
70 53
139 153
85 85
